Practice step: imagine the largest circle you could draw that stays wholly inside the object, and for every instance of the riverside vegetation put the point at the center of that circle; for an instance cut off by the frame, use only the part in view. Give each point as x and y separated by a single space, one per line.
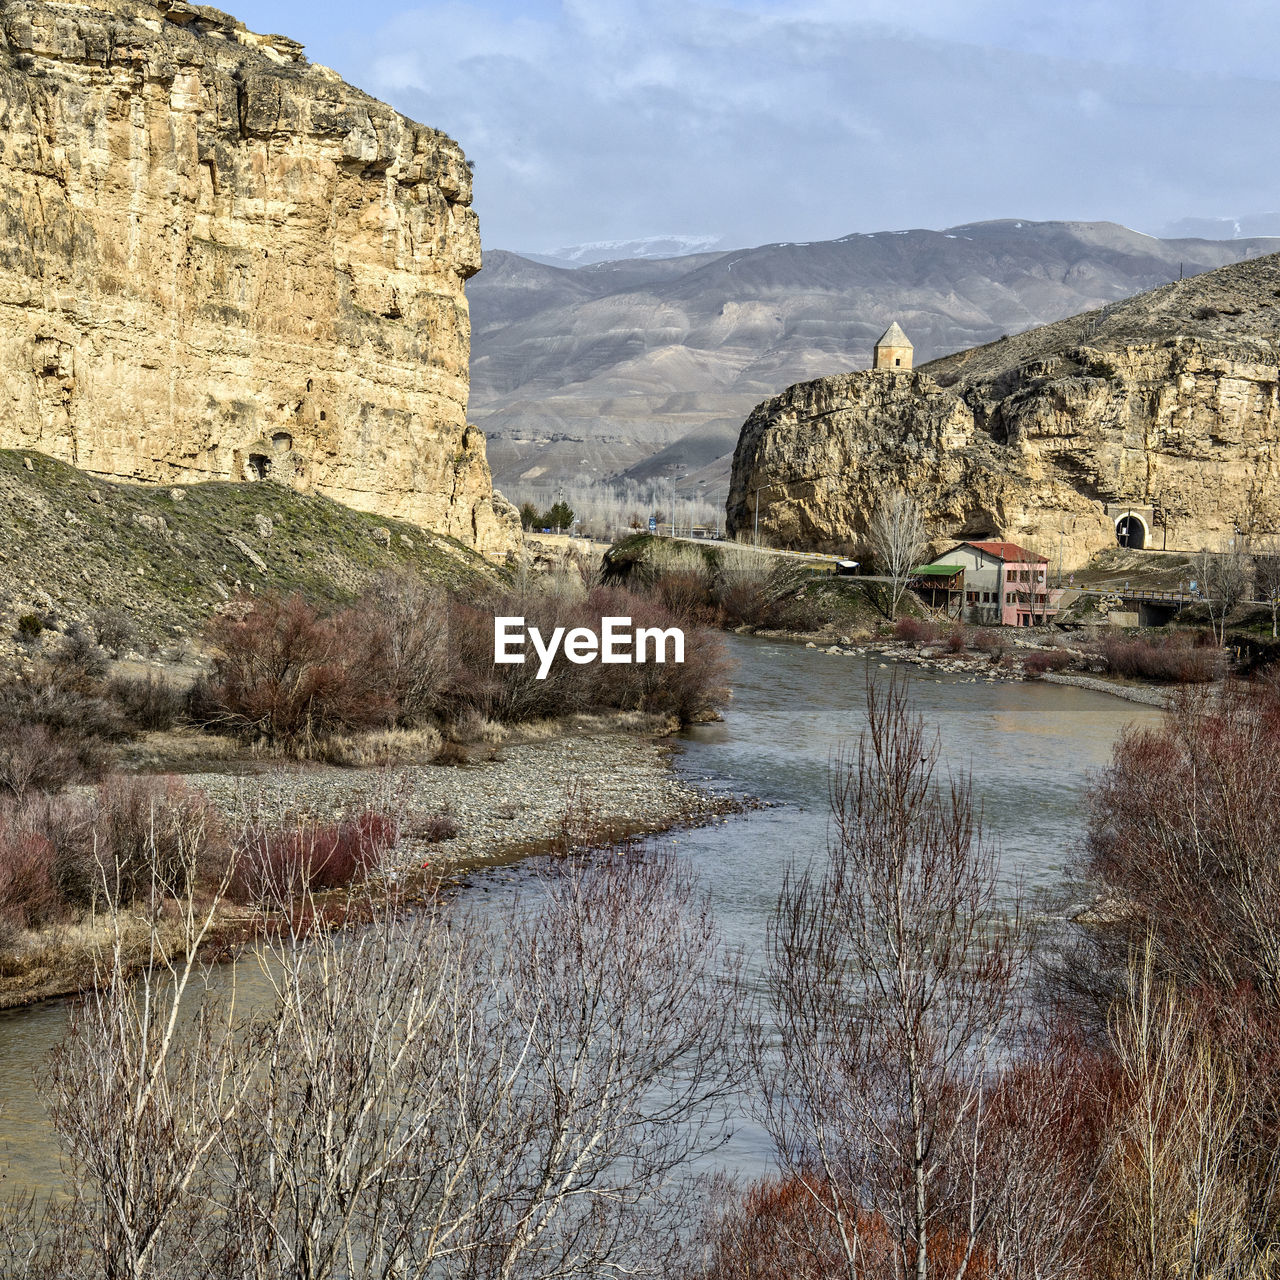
450 1092
406 674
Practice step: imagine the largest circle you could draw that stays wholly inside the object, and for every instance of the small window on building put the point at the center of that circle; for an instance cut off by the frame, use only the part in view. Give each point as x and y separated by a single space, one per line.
896 360
971 597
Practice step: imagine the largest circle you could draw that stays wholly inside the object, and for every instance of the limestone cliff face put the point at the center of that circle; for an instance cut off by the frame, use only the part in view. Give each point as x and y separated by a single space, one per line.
220 262
1164 405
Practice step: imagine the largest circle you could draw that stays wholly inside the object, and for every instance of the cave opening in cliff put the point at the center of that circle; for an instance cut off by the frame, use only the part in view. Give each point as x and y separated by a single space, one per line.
1131 532
259 466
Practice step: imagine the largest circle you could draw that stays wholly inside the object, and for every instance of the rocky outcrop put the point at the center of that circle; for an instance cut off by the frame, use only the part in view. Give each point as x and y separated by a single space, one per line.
1162 409
220 262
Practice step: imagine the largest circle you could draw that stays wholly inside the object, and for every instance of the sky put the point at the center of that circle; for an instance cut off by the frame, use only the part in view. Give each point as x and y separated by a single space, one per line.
748 122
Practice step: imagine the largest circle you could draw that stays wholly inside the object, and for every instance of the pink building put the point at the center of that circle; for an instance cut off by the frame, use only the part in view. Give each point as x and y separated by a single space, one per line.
1003 583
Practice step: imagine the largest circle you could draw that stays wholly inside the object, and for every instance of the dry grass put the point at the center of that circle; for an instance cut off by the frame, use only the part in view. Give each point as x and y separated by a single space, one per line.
383 748
61 959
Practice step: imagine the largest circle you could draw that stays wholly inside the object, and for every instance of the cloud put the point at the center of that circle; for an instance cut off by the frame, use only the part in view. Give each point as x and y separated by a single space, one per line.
609 119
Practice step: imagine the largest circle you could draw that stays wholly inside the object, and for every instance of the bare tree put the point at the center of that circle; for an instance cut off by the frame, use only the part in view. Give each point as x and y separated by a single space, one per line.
149 1072
1266 574
1178 1201
1224 582
899 540
1032 592
894 973
442 1093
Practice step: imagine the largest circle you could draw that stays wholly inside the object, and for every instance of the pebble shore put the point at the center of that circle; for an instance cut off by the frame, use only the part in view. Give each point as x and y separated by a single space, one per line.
502 807
1132 693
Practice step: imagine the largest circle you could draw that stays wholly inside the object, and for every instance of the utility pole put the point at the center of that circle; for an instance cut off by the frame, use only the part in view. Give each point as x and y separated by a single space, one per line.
759 490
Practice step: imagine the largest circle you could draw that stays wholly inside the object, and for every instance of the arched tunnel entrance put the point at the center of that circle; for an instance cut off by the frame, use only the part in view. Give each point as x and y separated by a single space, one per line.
1131 531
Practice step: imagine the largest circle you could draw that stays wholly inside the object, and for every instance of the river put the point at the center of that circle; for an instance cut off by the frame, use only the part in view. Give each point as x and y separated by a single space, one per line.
1031 749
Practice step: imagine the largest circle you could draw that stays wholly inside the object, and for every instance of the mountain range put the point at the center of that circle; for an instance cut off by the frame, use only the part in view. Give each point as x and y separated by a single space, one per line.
645 368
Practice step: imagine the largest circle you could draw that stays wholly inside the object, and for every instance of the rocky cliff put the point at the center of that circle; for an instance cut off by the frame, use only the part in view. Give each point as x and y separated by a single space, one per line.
219 261
1161 410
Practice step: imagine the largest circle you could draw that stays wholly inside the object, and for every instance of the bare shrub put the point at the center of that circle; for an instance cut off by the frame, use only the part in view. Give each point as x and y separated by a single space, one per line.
149 702
510 692
514 693
915 630
988 640
1176 1175
279 864
413 620
1178 657
68 706
686 595
286 674
114 631
29 896
779 1229
32 759
957 640
1180 970
148 831
1181 832
1040 661
433 828
150 1069
78 657
439 1093
54 729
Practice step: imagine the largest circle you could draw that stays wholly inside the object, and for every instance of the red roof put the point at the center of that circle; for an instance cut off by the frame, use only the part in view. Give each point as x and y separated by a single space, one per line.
1007 551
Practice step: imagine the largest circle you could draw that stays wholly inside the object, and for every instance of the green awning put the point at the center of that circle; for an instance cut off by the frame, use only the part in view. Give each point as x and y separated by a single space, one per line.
938 570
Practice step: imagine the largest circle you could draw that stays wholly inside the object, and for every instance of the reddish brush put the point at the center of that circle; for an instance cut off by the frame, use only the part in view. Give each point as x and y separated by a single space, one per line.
1177 658
280 863
1042 660
28 894
915 631
289 675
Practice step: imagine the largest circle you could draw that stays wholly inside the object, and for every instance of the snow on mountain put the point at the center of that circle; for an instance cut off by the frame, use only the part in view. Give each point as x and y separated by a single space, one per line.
585 255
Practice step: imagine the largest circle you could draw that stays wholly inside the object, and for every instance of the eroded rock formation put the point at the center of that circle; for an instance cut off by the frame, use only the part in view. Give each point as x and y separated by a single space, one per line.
219 261
1162 408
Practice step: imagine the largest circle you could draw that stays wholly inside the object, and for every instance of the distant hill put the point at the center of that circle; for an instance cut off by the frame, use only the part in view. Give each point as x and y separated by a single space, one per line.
646 368
585 255
1242 227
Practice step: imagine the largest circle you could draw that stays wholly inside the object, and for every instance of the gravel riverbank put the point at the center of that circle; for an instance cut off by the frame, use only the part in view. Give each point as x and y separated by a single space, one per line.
1133 693
502 807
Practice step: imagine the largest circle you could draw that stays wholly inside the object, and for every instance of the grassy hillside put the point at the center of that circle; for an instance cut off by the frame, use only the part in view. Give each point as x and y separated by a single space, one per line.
74 547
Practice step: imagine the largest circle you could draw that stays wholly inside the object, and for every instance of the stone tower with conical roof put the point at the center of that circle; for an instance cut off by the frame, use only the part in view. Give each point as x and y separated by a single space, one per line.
893 350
